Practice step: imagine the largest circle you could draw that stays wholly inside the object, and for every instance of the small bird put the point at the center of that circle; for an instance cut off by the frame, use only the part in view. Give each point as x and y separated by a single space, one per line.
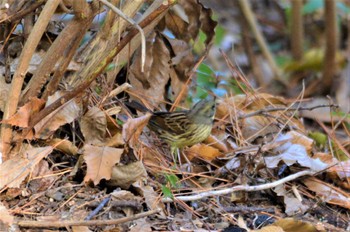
184 128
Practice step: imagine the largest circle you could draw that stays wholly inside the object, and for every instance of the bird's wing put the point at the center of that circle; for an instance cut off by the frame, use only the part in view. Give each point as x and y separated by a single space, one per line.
174 122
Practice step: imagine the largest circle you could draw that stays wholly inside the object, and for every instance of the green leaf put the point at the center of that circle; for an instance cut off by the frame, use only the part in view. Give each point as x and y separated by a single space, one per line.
173 180
119 122
167 192
199 45
206 77
219 34
110 67
319 138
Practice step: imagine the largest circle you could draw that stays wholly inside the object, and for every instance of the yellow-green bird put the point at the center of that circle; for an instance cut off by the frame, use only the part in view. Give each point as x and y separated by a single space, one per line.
184 128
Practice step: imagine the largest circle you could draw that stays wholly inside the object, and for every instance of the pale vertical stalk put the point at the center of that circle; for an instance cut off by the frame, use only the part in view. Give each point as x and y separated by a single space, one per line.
18 78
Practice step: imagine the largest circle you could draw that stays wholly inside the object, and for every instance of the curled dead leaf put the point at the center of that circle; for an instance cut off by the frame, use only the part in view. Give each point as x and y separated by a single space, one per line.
14 171
100 162
22 117
133 128
125 175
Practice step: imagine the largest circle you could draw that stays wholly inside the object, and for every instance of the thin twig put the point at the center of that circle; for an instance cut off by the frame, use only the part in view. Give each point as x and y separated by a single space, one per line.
60 224
98 208
246 188
248 14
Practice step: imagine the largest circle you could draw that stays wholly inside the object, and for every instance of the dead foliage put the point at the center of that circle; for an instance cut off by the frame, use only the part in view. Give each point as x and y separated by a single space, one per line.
75 156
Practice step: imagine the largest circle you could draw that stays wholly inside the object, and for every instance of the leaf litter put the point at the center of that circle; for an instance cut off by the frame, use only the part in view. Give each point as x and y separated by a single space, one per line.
93 148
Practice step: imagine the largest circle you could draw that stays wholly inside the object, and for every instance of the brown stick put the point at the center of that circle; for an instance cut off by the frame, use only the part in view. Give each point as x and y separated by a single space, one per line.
60 224
329 63
296 30
20 14
75 29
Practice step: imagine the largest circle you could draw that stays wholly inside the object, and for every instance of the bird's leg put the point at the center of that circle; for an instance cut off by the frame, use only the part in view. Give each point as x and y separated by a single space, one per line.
188 163
179 156
175 155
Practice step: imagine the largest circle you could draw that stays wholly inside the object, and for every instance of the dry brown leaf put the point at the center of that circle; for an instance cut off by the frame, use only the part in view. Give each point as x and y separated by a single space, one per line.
203 151
115 141
176 24
124 195
63 115
153 80
141 225
125 175
216 142
93 126
81 229
6 217
197 18
183 59
341 169
100 162
329 193
22 117
63 145
42 177
293 225
152 198
14 171
133 128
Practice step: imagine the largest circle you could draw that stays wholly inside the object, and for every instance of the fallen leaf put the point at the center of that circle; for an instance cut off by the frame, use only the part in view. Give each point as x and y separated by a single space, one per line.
291 224
291 153
6 217
100 162
197 18
42 177
67 113
152 198
133 128
323 114
153 80
329 193
22 117
141 225
125 175
14 171
64 145
93 126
